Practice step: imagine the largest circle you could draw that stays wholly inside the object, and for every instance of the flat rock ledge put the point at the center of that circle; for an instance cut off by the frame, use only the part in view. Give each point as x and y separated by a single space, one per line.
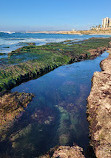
66 152
99 110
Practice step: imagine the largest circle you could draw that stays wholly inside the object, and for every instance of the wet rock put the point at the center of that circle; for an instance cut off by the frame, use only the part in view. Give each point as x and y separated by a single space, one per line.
83 56
43 116
109 45
11 106
26 43
66 152
99 110
96 52
31 44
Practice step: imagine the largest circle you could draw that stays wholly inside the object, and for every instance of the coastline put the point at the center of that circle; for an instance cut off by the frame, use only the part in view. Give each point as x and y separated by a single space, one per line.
79 32
99 109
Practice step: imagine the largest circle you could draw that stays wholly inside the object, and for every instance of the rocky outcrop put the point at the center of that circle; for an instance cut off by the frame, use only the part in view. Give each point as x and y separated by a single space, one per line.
99 110
66 152
11 106
93 54
96 52
109 45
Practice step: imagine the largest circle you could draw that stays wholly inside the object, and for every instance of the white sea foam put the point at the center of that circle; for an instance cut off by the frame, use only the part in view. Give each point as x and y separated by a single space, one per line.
7 32
14 41
39 41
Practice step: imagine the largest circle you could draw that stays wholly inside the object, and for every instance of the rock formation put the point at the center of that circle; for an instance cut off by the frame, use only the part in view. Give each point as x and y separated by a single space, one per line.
99 110
11 106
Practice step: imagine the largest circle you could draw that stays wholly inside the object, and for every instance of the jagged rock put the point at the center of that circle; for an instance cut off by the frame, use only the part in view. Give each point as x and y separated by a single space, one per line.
96 52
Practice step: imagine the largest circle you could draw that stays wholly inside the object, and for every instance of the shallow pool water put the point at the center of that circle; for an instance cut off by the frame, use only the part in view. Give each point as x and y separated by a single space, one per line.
57 113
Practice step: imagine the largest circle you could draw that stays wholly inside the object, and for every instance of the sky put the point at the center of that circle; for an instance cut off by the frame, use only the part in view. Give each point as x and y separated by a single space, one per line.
48 15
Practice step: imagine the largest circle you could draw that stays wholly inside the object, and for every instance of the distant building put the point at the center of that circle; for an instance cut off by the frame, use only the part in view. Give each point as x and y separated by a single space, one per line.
106 22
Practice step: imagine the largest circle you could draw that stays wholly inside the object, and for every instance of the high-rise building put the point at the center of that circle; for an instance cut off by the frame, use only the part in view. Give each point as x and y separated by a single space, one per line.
106 22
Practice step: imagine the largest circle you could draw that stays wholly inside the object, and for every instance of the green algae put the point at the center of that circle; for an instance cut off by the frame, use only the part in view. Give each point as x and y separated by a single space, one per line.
31 61
63 128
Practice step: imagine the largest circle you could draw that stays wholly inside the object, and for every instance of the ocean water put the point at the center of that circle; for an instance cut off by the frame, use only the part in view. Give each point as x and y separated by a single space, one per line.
11 41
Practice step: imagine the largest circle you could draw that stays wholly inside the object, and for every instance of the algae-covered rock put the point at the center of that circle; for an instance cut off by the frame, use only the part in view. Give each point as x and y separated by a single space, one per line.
11 106
66 152
33 61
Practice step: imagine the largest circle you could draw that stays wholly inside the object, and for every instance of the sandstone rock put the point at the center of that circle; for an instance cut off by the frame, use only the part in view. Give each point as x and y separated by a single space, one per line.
109 45
96 52
99 110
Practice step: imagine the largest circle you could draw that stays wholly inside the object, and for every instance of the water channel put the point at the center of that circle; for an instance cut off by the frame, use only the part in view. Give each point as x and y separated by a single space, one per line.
57 113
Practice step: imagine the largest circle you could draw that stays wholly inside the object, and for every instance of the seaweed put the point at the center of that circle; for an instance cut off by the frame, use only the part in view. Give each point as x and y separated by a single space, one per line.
32 61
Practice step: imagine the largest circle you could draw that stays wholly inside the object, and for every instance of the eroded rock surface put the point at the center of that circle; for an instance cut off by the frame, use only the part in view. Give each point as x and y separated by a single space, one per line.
99 110
96 52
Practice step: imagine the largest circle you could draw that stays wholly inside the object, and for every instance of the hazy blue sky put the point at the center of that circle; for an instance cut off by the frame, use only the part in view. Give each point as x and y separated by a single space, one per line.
19 15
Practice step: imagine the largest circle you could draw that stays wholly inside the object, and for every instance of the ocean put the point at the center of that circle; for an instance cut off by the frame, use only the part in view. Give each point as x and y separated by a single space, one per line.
10 41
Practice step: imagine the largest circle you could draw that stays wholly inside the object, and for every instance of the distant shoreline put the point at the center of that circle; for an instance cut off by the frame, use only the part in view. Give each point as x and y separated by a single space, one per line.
79 32
86 32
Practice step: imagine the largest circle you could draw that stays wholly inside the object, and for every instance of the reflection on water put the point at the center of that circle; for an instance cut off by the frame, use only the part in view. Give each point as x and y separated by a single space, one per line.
57 114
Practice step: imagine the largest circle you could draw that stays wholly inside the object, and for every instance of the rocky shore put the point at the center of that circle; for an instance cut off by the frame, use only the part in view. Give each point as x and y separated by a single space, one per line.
99 110
12 104
87 32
